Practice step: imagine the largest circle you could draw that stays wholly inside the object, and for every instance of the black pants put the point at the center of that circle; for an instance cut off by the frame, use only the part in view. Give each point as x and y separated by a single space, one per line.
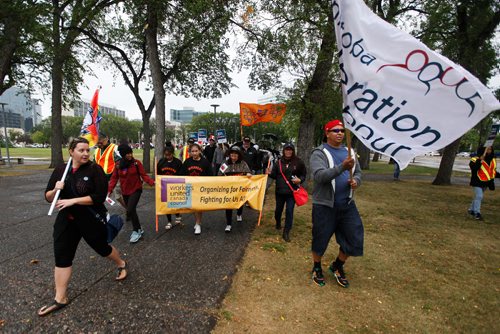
131 202
229 215
280 204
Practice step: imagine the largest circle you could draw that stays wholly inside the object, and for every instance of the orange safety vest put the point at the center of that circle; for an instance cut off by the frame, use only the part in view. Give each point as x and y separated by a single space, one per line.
106 159
487 172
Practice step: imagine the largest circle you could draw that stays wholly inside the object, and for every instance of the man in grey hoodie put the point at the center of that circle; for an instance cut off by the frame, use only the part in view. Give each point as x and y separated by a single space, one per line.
334 210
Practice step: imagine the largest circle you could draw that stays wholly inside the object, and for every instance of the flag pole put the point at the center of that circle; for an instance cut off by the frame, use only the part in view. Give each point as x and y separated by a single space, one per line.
348 140
58 192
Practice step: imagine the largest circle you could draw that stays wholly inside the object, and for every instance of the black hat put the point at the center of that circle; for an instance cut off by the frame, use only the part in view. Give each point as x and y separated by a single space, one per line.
246 138
236 149
190 140
289 145
124 149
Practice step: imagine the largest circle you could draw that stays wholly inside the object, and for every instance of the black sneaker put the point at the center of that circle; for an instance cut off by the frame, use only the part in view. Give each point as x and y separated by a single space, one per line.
317 276
470 212
339 275
478 216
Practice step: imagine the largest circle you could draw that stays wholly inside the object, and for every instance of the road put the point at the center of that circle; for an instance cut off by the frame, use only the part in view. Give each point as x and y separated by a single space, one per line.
176 280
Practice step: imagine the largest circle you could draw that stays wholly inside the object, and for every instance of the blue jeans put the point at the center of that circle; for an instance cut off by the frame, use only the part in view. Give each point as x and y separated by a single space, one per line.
478 197
281 200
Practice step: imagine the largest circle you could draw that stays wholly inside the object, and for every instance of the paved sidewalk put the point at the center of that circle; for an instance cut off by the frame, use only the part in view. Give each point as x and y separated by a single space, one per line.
176 280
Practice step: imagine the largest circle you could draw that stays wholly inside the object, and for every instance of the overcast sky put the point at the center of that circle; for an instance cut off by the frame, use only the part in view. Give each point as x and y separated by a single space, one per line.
115 93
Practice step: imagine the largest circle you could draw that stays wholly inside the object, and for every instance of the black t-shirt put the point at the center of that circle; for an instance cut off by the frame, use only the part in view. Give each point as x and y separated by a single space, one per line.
166 167
192 167
88 180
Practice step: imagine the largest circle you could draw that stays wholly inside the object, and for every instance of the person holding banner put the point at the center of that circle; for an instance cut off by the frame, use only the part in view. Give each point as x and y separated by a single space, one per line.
234 166
483 170
131 174
82 196
290 169
196 165
169 165
334 210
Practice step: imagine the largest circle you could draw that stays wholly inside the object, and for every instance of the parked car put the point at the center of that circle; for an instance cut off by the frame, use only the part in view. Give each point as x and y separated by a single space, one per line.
463 154
433 154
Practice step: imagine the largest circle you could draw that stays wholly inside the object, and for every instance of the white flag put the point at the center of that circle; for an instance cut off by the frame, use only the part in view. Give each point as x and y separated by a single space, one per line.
401 98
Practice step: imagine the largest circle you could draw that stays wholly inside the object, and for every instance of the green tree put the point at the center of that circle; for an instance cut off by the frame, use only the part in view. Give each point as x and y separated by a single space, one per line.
39 137
67 20
186 43
20 33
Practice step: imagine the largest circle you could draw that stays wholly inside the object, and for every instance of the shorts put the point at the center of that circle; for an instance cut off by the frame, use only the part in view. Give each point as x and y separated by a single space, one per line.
344 222
67 235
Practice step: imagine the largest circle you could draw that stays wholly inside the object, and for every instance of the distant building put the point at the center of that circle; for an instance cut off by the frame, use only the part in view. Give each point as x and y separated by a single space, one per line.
80 109
184 115
22 112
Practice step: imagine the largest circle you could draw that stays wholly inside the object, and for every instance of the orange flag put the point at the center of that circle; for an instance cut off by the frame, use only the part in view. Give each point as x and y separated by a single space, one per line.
251 114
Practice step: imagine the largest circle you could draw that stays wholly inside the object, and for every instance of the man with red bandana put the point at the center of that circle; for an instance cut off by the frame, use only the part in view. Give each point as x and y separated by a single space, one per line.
334 210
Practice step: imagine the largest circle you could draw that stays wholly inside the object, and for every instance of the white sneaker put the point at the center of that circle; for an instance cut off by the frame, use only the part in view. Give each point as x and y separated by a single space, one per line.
228 228
239 218
135 236
197 229
168 226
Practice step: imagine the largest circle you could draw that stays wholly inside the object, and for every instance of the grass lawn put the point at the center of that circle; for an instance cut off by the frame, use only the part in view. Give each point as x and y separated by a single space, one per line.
428 267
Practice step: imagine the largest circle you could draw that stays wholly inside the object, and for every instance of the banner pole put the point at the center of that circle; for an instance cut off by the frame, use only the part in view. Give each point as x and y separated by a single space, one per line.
267 176
156 212
58 192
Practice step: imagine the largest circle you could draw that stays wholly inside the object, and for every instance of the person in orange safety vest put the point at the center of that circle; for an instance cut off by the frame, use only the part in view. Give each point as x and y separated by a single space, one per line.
483 170
106 155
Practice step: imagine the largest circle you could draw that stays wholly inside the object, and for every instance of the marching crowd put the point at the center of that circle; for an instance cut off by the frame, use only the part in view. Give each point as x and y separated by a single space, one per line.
334 170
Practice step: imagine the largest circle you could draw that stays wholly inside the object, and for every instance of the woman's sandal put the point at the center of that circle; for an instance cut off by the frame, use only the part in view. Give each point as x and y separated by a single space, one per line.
51 308
121 270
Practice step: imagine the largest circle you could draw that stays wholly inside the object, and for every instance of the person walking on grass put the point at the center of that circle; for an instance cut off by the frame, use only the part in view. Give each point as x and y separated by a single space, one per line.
82 196
483 170
334 210
196 165
234 166
169 165
131 174
288 171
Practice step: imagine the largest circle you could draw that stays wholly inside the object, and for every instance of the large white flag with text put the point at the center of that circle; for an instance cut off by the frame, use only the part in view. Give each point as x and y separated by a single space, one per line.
401 98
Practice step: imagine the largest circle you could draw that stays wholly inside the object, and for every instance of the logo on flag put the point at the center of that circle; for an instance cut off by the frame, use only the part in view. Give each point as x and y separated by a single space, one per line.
401 98
251 114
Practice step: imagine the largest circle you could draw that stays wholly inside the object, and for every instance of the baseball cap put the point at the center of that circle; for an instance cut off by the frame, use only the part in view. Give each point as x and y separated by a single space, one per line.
246 138
289 145
330 125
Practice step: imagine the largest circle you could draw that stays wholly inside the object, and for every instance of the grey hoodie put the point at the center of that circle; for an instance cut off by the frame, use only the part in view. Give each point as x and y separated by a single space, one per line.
324 176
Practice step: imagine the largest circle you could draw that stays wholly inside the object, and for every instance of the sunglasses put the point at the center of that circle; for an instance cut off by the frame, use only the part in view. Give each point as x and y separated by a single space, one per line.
337 130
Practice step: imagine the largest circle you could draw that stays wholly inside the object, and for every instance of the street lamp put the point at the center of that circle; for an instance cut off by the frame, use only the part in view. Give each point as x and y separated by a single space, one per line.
215 118
5 129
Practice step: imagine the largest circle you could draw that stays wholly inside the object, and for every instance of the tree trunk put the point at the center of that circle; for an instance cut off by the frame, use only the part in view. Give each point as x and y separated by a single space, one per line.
146 158
376 157
57 84
443 177
157 76
56 110
315 92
